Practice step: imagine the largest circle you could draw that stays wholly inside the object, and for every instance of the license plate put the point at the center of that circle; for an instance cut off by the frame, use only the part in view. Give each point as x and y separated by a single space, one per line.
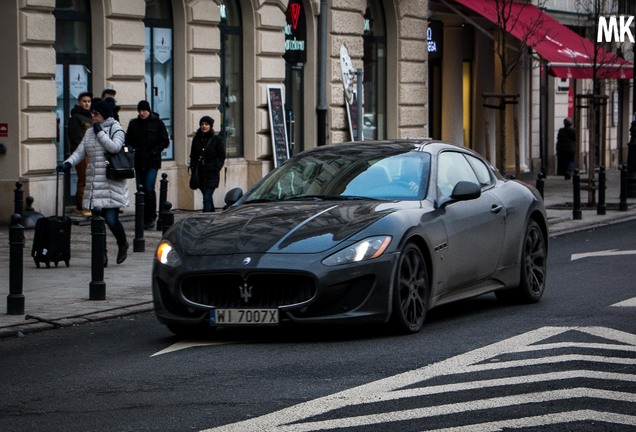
219 317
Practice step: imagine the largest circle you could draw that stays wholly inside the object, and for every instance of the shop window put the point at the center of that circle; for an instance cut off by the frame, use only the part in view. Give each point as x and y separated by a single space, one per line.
159 65
72 72
374 60
231 128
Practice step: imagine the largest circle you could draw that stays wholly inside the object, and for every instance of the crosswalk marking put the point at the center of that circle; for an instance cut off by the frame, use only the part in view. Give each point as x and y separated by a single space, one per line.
548 419
295 418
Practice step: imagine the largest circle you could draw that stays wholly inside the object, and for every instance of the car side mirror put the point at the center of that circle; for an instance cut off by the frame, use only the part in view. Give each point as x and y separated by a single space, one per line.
232 196
465 190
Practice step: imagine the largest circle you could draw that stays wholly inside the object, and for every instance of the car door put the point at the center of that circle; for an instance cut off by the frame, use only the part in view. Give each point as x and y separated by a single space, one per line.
475 228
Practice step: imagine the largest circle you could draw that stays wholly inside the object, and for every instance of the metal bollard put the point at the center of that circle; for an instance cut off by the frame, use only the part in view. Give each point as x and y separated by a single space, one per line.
163 196
139 244
601 208
541 183
167 216
622 206
15 299
18 199
97 286
576 184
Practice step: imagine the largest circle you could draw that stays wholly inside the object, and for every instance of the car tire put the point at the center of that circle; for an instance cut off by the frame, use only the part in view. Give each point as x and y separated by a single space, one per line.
533 269
411 290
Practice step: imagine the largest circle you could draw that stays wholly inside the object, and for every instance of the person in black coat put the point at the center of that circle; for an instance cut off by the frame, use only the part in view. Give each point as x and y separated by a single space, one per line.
207 156
148 136
78 124
566 149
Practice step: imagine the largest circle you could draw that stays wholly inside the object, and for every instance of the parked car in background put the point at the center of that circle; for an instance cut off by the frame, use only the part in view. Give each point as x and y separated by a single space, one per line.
355 233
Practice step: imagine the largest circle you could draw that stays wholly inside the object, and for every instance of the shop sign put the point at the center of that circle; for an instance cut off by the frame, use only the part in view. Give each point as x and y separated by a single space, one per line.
435 39
295 31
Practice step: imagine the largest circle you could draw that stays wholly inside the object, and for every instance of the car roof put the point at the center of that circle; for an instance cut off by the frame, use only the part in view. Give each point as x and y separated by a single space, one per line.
416 144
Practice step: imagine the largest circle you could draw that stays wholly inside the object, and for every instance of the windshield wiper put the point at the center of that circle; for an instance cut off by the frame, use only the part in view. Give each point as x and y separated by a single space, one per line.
327 198
259 200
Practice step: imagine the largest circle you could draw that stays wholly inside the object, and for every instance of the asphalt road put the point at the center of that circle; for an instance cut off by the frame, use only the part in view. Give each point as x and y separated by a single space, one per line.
567 363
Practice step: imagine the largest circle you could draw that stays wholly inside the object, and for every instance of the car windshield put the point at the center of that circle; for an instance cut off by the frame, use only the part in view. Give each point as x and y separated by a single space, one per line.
374 173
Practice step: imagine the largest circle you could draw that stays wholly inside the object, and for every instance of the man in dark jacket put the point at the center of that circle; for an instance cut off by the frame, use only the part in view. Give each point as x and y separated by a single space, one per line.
79 122
148 136
566 149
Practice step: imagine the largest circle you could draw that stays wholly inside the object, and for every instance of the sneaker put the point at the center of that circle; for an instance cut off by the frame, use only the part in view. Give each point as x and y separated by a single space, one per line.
122 253
87 213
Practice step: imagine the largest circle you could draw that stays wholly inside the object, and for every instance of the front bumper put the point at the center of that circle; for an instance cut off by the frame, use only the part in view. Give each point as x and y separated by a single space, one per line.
302 288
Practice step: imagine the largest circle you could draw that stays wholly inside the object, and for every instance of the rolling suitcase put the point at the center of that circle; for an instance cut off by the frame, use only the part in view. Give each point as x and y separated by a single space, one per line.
52 236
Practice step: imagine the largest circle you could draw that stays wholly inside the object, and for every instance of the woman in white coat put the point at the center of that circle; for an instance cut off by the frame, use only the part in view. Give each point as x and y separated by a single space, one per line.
110 195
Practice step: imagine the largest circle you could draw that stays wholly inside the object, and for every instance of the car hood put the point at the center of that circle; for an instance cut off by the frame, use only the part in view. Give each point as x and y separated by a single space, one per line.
286 227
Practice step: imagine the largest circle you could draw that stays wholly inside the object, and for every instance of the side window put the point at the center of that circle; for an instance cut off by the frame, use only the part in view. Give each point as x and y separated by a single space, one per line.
482 171
452 167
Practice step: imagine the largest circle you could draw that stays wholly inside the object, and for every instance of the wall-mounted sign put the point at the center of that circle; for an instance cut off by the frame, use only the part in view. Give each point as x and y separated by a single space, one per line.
348 74
435 39
4 130
277 126
295 33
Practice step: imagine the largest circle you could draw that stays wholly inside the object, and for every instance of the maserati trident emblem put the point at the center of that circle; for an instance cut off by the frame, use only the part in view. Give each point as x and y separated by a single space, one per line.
247 260
246 292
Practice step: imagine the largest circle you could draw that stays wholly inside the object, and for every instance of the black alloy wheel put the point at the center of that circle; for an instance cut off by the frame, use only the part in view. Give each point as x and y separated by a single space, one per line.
533 268
410 297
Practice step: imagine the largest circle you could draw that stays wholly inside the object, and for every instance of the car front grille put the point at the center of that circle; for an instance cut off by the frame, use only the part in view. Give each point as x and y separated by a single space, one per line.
257 290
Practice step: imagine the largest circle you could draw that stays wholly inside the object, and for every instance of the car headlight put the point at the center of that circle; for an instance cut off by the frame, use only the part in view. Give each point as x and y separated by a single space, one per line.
369 248
167 255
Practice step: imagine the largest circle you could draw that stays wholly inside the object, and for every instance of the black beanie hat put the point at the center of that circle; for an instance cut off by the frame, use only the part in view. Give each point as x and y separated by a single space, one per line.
103 107
143 105
206 119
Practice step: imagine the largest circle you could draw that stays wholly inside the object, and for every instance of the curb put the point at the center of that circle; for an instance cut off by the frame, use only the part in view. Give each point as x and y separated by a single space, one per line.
39 324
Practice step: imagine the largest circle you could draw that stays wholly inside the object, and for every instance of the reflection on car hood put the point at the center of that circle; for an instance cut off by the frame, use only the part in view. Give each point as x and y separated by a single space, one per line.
286 227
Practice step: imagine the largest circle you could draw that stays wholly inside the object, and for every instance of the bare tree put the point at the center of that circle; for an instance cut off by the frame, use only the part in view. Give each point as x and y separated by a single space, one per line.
510 15
604 65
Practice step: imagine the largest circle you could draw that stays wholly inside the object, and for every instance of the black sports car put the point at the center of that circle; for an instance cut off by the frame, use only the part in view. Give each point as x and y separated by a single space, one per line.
355 232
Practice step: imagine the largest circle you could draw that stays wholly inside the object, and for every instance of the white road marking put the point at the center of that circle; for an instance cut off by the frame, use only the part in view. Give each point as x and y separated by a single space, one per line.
181 345
626 303
485 358
611 252
549 419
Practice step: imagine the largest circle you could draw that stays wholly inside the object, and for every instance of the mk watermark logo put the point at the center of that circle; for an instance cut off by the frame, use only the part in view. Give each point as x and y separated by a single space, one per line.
615 29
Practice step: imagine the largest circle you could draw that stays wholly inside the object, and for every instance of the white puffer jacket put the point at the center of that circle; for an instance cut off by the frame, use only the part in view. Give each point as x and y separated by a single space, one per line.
101 191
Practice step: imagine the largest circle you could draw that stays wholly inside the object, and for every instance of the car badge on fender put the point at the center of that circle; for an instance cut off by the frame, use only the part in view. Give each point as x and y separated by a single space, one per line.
246 291
247 260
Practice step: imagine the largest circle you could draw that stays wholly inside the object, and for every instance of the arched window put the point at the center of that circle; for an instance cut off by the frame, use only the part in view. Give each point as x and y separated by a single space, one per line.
374 60
159 65
231 127
73 70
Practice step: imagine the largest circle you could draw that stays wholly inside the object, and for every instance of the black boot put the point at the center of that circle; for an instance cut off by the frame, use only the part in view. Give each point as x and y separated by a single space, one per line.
105 259
122 253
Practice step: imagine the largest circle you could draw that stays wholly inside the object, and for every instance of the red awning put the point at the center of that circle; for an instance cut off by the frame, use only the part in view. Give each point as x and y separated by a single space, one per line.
567 54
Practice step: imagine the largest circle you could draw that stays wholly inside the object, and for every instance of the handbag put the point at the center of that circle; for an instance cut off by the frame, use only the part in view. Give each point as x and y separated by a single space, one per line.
194 178
120 165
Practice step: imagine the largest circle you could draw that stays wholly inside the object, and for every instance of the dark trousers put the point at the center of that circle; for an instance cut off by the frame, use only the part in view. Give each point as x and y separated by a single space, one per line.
148 178
111 216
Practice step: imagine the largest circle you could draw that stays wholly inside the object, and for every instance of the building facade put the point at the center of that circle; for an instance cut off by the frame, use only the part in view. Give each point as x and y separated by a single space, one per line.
425 67
200 57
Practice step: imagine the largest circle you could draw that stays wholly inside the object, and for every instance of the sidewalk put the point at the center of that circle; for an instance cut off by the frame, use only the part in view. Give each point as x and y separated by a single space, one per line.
59 297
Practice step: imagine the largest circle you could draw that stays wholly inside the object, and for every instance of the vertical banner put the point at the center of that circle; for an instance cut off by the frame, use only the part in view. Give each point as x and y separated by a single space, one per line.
275 101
